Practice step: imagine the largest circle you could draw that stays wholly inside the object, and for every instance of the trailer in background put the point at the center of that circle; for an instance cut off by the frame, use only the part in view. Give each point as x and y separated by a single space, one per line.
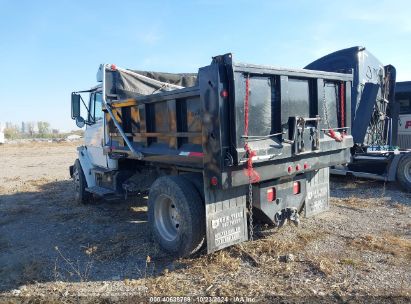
374 115
403 99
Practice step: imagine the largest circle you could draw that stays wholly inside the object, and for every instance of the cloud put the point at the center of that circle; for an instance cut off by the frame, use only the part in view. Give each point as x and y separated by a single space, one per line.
149 37
394 14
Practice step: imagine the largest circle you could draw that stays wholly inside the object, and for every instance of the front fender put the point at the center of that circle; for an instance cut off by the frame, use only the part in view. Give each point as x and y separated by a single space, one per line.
86 165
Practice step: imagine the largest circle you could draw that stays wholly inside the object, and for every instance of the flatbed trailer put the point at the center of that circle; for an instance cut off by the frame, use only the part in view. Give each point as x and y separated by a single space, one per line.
240 142
374 115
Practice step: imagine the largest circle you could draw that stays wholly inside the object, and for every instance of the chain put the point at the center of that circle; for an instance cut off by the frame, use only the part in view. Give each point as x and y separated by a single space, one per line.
250 198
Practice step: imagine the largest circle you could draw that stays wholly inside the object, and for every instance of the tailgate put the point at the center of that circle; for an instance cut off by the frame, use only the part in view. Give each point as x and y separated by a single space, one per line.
290 112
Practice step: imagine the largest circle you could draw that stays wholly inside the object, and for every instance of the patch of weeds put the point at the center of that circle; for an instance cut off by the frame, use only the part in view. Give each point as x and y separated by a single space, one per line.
400 207
75 269
323 265
32 271
112 249
388 243
356 203
349 262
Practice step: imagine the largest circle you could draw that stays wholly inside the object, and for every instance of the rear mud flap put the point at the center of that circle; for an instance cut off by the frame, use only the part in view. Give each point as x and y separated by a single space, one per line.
318 192
226 219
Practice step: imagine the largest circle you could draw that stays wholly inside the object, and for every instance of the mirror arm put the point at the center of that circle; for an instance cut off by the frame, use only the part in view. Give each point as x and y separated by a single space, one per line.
82 100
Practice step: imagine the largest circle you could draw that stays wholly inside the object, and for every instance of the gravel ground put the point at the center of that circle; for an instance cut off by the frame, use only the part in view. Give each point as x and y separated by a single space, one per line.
53 249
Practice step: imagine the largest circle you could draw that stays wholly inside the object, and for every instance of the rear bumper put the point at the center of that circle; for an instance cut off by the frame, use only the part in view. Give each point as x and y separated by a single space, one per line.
277 169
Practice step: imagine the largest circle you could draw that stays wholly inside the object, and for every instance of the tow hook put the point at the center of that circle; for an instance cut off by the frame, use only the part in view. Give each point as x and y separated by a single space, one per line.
291 214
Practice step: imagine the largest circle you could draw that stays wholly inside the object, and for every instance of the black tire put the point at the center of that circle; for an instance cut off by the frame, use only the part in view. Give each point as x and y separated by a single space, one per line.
196 179
176 215
80 184
404 172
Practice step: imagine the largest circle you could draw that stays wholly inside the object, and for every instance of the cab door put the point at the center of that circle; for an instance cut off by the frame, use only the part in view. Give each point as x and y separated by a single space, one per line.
94 134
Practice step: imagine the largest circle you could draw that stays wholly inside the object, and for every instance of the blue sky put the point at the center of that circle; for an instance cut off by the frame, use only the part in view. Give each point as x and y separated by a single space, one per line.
50 48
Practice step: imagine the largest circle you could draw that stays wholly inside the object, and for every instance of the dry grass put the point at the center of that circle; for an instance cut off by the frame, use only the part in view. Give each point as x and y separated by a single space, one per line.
113 248
32 272
357 203
388 243
400 207
323 264
350 262
229 272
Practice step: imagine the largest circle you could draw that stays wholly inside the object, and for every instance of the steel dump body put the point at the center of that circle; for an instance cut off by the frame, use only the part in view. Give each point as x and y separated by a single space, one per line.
202 127
299 124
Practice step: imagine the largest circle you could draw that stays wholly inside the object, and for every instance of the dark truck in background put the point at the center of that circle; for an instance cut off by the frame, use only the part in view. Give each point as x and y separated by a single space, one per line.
214 150
374 115
403 100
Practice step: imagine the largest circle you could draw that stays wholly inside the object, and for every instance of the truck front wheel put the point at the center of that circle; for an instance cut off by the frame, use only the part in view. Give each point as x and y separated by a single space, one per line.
176 215
80 184
404 172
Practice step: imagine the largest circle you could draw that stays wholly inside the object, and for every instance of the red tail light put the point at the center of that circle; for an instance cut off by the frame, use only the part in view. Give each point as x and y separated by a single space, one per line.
214 181
271 194
306 166
224 93
296 188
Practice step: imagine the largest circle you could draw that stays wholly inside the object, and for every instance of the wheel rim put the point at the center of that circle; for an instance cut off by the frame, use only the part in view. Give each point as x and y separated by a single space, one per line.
407 171
167 218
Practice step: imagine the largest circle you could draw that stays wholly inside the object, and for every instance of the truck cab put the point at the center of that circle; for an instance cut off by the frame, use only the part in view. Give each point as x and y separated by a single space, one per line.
374 114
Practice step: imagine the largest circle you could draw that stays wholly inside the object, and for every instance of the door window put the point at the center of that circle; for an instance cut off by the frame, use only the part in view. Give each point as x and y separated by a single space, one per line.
96 107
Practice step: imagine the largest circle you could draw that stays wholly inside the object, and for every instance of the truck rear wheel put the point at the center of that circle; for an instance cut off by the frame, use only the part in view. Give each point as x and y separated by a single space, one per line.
176 215
80 184
404 172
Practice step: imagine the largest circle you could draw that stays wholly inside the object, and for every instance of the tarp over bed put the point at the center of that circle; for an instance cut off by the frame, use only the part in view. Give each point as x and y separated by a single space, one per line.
132 83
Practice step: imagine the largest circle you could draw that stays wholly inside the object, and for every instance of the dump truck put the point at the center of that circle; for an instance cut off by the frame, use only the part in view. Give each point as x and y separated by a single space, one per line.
374 115
213 150
403 99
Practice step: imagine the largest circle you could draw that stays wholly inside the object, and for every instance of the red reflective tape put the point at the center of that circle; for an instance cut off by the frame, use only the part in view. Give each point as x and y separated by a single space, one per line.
196 154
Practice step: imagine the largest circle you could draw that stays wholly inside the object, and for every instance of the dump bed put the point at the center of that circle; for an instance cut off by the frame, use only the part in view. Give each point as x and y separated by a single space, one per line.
294 117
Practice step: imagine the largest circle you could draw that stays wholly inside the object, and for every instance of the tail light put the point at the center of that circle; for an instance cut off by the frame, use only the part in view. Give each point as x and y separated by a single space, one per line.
271 194
224 93
296 188
214 181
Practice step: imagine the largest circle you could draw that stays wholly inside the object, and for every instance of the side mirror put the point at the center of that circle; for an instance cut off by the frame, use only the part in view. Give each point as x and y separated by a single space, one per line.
80 122
75 106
